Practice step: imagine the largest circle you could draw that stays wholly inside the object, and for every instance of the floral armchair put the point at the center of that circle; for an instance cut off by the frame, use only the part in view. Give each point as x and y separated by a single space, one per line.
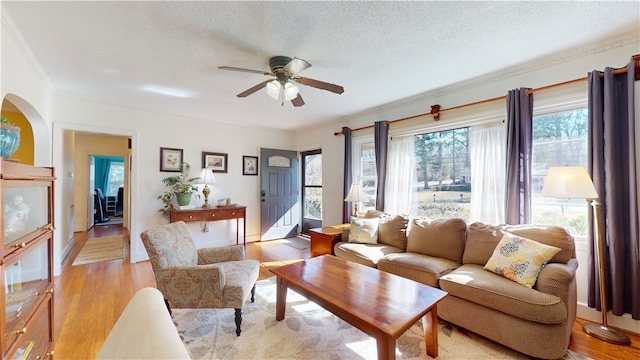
199 278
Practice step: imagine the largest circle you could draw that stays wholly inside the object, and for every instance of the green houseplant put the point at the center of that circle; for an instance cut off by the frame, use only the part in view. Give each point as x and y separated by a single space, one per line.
180 186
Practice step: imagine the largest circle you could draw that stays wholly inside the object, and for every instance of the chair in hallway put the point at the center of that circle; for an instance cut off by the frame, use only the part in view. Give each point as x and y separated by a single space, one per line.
199 278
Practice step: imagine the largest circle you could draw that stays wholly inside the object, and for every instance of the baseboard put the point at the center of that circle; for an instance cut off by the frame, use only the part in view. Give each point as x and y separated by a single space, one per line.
624 322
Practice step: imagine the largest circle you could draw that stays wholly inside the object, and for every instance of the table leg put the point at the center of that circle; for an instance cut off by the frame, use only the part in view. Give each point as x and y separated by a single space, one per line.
281 298
386 348
430 326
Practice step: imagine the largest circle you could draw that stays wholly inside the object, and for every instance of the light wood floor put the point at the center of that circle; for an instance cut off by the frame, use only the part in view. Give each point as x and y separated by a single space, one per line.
89 298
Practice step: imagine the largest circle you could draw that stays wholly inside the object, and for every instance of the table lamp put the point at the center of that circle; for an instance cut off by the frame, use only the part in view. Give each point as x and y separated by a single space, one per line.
355 196
573 182
206 178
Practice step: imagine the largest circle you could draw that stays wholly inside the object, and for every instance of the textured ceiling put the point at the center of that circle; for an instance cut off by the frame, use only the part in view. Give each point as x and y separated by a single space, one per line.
164 56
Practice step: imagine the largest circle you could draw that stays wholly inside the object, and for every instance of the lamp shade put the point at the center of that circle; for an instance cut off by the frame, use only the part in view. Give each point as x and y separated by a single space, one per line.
290 90
355 194
273 89
569 182
206 176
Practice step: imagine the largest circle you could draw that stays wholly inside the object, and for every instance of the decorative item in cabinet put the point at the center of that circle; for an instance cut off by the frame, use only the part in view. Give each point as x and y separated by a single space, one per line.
26 324
27 200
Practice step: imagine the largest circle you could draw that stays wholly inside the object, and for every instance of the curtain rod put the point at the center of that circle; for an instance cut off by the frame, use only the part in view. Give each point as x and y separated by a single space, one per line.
635 58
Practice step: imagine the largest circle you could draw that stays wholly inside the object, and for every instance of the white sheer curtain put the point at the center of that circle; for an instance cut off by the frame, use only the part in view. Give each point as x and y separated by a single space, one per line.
487 146
400 172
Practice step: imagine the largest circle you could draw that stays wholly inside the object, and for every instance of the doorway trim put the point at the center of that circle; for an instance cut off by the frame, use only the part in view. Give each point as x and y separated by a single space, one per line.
65 178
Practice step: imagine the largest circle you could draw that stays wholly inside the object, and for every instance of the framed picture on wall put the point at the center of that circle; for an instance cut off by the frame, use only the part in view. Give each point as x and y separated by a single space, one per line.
249 165
170 159
216 161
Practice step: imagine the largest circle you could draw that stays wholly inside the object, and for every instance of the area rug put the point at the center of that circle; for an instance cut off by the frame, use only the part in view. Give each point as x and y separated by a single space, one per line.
113 220
101 249
310 332
296 242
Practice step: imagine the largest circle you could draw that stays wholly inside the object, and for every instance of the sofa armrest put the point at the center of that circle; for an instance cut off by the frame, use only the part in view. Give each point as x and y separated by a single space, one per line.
557 278
144 330
186 286
214 255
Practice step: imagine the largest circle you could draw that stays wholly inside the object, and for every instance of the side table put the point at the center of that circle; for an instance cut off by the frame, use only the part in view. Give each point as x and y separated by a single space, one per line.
323 239
214 214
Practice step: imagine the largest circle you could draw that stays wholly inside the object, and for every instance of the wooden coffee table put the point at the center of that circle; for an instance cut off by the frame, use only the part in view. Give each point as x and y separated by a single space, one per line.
380 304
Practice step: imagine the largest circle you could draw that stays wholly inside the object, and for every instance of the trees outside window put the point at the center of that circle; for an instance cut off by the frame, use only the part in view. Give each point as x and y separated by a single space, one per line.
443 174
559 139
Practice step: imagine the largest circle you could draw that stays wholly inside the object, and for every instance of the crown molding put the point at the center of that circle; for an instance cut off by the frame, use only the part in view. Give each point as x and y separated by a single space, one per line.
569 55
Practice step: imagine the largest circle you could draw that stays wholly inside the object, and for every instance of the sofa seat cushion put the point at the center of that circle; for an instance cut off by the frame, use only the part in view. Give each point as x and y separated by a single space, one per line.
365 254
418 267
472 283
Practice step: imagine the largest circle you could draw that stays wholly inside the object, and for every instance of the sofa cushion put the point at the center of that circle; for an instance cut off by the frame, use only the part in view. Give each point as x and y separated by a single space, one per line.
472 283
421 268
520 259
365 254
443 238
482 240
364 231
144 330
549 235
392 230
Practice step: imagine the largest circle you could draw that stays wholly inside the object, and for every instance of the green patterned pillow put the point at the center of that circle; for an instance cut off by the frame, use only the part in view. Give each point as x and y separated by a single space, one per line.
520 259
363 231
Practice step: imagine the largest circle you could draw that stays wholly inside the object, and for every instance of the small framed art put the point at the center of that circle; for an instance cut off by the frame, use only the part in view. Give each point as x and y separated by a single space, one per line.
170 159
249 165
216 161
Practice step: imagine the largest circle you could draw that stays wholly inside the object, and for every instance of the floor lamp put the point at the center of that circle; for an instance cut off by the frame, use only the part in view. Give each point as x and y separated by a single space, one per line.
573 182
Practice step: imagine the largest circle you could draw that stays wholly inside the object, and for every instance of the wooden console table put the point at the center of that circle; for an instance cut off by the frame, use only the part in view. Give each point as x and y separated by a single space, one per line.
323 239
214 214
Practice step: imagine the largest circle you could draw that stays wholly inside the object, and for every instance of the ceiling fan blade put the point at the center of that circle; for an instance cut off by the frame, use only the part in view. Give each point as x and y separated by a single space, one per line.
296 65
244 70
297 101
253 89
319 84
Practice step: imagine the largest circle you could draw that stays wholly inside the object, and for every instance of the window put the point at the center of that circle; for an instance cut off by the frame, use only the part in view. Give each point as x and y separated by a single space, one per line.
366 175
443 175
312 196
559 138
115 178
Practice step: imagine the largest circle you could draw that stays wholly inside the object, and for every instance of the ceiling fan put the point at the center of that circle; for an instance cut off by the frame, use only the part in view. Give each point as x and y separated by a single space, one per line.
283 87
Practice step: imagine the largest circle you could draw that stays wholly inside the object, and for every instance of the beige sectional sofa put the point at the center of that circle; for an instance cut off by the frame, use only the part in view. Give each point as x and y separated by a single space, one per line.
451 255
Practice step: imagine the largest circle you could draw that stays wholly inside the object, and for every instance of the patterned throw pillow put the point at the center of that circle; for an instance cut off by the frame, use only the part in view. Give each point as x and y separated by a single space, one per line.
363 231
520 259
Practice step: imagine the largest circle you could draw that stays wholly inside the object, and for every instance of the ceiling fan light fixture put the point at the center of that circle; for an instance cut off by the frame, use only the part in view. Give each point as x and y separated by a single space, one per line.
273 89
290 91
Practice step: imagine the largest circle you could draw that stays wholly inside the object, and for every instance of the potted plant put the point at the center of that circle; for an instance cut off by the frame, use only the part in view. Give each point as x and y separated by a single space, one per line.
9 137
180 186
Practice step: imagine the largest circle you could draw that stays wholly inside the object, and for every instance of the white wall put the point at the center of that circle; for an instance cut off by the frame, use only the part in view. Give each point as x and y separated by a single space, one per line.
151 130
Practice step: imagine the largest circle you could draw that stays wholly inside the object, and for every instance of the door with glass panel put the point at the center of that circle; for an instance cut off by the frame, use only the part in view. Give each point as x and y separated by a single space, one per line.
311 190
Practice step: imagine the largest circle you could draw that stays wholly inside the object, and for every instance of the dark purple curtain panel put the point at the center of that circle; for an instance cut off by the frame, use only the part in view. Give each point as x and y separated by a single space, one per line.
381 136
519 139
612 165
348 176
